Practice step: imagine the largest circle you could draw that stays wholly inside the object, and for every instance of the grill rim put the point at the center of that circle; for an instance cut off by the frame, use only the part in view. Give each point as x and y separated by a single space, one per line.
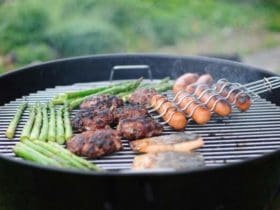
253 160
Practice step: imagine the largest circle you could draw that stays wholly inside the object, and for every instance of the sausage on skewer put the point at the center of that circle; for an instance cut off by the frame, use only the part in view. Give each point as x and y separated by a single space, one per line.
234 95
195 110
203 79
213 101
169 112
183 81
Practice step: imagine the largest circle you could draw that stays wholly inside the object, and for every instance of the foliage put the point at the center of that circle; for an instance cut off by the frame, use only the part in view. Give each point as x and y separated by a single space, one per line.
21 24
57 28
78 37
33 52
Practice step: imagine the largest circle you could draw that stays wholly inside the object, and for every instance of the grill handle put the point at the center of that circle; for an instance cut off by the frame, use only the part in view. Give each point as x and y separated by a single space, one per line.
132 67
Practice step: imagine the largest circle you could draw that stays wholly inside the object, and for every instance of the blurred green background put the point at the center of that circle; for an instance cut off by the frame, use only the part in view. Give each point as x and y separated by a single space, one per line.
34 31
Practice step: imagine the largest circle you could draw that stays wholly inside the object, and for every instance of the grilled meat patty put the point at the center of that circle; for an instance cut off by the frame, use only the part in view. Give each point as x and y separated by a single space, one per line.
102 102
76 143
142 96
129 111
139 127
88 119
94 144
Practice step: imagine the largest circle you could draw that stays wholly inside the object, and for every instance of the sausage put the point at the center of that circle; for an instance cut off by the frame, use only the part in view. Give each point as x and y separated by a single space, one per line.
203 79
183 81
235 96
170 114
212 100
197 111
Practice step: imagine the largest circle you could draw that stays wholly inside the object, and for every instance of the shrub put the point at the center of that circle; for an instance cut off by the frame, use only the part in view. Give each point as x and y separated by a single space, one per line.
77 37
33 52
21 22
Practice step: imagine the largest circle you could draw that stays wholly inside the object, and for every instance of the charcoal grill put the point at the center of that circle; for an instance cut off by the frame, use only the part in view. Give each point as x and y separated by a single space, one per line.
241 151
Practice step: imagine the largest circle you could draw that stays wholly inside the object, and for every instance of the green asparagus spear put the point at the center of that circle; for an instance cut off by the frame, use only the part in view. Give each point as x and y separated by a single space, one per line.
164 87
44 130
60 137
37 124
52 123
28 153
68 96
49 146
10 132
25 134
74 157
67 123
113 90
50 154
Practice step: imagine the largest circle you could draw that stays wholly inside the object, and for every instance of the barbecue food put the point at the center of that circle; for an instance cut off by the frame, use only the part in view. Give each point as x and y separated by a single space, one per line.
142 96
95 144
44 129
67 123
234 95
139 127
26 131
174 160
194 109
102 102
183 81
10 132
88 119
203 79
181 142
51 154
52 123
129 111
212 100
169 112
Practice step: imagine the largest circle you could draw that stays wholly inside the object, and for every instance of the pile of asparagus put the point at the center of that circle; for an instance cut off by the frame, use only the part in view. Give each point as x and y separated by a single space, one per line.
51 154
39 126
124 89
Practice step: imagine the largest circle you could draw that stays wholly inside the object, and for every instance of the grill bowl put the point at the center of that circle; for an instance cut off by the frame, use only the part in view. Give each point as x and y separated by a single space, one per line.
246 185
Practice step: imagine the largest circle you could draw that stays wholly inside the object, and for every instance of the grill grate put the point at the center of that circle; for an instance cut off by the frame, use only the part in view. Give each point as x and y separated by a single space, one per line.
227 140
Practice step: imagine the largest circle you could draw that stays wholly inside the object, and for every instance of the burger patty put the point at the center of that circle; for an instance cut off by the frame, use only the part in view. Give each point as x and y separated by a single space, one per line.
139 127
95 143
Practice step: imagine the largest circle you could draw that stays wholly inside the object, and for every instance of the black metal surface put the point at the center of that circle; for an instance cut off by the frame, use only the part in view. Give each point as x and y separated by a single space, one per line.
247 185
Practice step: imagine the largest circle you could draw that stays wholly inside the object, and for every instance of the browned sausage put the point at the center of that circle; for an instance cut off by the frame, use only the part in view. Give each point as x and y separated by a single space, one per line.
213 102
197 111
183 81
170 114
241 100
203 79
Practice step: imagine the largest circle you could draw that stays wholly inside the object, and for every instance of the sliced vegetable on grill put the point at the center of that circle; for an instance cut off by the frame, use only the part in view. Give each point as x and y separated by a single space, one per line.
37 124
67 123
52 123
169 160
44 130
179 142
10 132
60 137
26 131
